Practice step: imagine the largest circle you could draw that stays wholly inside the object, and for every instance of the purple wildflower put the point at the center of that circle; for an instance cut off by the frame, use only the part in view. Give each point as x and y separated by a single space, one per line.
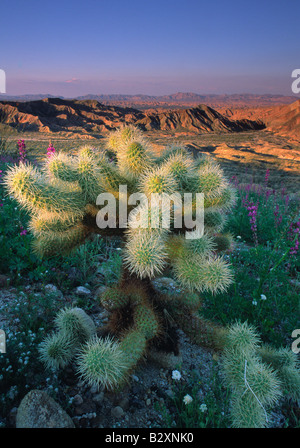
267 177
252 213
294 230
278 218
268 194
50 150
294 250
23 231
287 200
283 192
234 180
22 151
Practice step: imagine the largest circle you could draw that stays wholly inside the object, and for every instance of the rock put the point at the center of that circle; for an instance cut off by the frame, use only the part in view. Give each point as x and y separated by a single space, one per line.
98 399
82 291
96 421
103 270
99 291
3 280
77 399
12 416
86 407
52 289
169 393
38 410
135 403
94 389
136 388
164 282
117 412
124 403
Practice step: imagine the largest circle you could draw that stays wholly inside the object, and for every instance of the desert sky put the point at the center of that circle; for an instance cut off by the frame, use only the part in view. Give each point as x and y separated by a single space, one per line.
77 47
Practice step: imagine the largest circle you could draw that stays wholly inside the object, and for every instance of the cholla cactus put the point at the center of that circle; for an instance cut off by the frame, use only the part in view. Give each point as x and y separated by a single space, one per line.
62 200
102 362
74 327
57 350
257 375
285 362
75 323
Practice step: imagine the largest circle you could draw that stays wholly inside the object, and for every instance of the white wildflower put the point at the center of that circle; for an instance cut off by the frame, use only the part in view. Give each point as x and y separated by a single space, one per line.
187 399
176 375
263 297
203 407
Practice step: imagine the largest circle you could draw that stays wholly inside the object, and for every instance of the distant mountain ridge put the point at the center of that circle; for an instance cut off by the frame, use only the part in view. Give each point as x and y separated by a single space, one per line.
27 97
165 101
88 117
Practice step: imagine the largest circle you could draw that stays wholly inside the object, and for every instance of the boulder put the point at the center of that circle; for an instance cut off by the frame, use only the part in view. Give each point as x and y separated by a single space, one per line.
38 410
82 291
52 289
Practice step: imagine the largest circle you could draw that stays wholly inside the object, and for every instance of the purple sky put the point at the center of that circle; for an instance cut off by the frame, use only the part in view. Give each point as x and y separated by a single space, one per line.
73 48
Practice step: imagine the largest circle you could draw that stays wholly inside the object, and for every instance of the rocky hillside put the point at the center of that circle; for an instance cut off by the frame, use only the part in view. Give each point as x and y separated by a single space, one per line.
59 115
285 120
85 117
200 119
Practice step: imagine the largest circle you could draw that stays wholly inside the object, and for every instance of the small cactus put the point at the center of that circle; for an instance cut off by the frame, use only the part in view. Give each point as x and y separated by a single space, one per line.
74 327
285 362
102 362
57 350
257 376
75 323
